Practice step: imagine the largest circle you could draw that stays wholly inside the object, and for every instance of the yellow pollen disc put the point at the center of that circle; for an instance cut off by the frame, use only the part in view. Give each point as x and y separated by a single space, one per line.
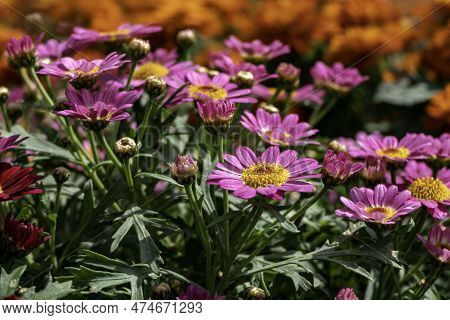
82 73
399 153
112 35
263 174
388 212
271 139
150 69
213 92
429 188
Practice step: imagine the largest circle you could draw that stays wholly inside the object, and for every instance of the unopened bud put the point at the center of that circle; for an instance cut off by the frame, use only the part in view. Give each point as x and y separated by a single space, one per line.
254 293
337 146
184 169
244 79
186 38
137 49
61 175
161 291
4 95
125 148
289 76
269 107
155 86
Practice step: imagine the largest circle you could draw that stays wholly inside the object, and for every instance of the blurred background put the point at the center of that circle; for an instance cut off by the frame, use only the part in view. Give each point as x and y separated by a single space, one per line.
402 45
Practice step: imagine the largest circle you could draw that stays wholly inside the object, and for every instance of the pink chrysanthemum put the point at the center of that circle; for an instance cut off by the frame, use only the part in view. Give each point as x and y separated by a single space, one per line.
194 292
337 77
256 51
161 63
202 87
438 243
338 167
96 109
270 175
411 146
346 294
382 205
82 73
277 131
432 192
307 95
82 37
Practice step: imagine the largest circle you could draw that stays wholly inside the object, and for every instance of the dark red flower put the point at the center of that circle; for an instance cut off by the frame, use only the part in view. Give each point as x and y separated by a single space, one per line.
15 182
12 297
22 236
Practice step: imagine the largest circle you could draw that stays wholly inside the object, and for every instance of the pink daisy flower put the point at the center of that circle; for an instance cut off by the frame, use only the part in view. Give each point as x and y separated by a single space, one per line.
256 51
381 205
438 243
278 131
432 192
411 146
270 174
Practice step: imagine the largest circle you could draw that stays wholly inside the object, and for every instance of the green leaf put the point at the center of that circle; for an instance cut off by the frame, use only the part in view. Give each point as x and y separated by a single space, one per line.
10 282
402 93
53 291
285 223
158 177
41 144
26 212
121 233
110 273
353 267
149 252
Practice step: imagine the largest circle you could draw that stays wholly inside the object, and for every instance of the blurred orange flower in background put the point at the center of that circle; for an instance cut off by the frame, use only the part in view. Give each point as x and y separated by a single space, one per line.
439 107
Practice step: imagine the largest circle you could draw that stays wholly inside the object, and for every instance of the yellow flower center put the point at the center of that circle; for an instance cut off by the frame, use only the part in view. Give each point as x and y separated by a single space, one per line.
199 92
400 152
264 174
429 188
112 35
387 211
83 73
150 69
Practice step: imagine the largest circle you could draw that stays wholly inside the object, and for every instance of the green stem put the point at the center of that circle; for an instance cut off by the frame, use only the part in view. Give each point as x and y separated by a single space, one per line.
148 113
93 146
130 75
416 230
203 232
6 117
226 227
25 77
275 95
319 113
111 155
429 281
53 256
312 201
274 234
41 88
129 176
114 133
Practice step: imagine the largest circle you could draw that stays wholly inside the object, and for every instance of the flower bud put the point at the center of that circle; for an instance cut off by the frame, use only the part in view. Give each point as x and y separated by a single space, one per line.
216 115
244 79
337 146
61 175
374 170
184 169
21 52
4 95
254 293
18 238
186 38
137 49
269 108
338 167
155 86
161 292
125 148
346 294
289 76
